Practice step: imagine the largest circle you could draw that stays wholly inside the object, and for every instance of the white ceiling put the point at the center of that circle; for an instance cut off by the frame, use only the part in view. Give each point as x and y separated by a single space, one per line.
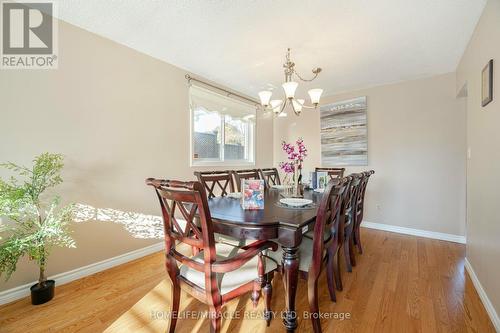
241 44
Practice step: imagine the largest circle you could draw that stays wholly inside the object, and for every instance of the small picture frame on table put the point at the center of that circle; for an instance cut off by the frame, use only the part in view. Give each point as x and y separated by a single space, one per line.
322 179
252 197
487 84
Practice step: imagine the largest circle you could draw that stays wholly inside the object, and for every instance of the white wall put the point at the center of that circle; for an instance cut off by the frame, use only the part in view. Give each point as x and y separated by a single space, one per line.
118 116
483 139
416 145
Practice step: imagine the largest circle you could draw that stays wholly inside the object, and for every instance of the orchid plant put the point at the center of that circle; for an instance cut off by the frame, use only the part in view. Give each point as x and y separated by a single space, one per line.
295 154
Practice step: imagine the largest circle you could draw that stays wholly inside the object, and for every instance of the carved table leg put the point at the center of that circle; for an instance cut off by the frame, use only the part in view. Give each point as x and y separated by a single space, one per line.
290 264
268 291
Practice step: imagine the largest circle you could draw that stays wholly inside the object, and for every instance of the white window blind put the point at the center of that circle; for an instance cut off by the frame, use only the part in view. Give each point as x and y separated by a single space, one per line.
222 129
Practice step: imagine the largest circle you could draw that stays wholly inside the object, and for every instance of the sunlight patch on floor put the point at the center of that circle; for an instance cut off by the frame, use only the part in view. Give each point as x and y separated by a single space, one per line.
151 314
139 318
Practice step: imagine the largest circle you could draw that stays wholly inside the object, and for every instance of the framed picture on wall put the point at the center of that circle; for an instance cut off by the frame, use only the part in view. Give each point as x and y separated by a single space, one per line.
487 84
344 133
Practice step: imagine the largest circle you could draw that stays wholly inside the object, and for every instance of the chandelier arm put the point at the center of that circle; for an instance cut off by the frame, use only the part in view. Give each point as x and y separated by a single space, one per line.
306 80
293 108
283 106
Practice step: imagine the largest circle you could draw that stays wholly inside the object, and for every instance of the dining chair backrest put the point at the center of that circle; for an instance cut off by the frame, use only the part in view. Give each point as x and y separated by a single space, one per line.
333 172
216 183
271 176
327 221
344 206
239 175
352 197
360 201
188 199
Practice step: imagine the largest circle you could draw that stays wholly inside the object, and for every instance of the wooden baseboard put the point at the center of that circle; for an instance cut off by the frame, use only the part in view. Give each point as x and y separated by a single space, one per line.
16 293
415 232
490 309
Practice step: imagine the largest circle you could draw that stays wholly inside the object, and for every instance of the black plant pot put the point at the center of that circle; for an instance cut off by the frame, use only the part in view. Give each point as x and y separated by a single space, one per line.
42 294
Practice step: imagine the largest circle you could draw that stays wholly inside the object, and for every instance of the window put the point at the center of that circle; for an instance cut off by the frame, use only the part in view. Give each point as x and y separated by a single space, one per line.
222 129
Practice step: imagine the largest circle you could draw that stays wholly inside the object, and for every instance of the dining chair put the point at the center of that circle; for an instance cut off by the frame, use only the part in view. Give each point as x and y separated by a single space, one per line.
360 207
245 174
271 176
320 251
333 172
336 256
219 272
350 219
216 183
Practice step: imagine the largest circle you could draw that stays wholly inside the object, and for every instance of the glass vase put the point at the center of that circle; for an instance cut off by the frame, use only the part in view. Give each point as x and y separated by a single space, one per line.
298 189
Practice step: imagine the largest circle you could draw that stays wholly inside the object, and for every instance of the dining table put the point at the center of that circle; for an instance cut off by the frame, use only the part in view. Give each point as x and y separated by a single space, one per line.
283 224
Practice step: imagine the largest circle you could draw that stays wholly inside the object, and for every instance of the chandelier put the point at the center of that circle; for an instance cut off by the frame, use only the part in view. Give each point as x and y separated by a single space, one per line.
289 87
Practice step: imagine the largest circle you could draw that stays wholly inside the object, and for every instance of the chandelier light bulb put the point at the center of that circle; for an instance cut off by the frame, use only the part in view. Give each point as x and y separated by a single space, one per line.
265 97
315 95
289 88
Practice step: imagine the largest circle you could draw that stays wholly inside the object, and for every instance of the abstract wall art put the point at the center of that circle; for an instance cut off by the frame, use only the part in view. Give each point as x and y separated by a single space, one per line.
344 133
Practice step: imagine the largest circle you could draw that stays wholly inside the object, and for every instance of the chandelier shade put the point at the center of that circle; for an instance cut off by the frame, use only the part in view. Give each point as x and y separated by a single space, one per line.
289 88
265 97
315 95
275 105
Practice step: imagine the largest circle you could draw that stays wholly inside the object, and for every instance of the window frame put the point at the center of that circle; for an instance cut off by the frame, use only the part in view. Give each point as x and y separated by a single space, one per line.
250 141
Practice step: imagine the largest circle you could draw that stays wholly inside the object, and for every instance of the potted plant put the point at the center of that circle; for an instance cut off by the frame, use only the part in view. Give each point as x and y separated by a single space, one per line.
34 225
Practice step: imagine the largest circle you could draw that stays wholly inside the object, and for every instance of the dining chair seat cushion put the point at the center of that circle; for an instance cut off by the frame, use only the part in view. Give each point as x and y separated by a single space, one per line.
230 280
305 254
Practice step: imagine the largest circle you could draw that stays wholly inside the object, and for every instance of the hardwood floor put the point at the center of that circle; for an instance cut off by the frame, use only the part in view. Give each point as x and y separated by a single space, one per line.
400 284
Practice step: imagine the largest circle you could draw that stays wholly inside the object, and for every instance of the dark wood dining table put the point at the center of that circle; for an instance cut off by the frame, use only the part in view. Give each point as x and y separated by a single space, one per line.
275 222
